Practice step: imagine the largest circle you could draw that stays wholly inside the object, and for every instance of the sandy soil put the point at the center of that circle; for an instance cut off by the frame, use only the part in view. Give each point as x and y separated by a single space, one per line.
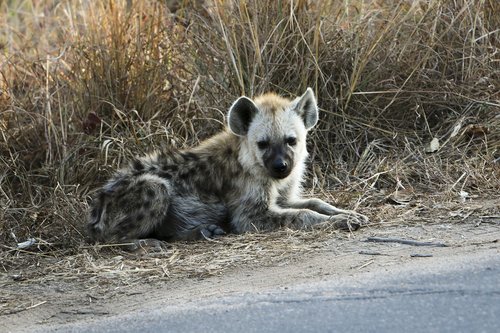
464 228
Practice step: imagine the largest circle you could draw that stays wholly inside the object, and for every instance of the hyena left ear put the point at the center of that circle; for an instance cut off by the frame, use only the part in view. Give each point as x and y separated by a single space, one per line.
240 115
306 108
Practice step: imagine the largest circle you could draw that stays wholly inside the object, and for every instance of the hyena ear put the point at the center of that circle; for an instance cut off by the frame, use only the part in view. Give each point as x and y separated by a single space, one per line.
240 115
306 108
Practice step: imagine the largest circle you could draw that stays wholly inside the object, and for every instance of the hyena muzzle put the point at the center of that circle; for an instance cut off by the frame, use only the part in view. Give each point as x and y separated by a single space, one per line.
247 178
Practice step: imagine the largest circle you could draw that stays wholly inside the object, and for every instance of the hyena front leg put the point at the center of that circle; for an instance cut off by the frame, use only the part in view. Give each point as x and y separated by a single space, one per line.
277 217
274 218
337 214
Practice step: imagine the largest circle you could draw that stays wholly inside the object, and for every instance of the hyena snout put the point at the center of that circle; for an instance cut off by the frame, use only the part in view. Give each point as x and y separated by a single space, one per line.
279 166
280 169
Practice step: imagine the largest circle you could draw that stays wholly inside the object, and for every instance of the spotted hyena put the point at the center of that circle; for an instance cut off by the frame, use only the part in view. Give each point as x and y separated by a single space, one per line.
247 178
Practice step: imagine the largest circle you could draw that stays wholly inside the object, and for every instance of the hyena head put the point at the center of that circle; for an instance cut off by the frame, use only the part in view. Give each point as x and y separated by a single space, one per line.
273 132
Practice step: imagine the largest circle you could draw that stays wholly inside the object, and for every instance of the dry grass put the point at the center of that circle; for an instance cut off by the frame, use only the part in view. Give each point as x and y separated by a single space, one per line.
86 85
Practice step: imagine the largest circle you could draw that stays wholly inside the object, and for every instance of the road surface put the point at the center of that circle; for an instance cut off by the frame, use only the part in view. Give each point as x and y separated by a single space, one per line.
436 296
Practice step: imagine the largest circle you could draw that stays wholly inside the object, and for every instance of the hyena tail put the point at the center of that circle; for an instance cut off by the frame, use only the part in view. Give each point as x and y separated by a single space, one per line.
129 207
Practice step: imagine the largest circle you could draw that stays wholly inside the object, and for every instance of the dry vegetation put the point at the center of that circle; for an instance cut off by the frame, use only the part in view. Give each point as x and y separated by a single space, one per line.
84 85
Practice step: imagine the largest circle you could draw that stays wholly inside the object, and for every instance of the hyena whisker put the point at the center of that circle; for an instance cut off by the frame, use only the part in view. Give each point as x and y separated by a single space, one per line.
246 178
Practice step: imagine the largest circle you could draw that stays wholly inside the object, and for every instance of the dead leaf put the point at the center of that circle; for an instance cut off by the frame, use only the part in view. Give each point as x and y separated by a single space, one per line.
433 146
400 197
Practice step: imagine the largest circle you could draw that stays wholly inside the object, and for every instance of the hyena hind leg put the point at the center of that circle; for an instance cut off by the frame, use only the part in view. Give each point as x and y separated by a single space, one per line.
129 209
190 218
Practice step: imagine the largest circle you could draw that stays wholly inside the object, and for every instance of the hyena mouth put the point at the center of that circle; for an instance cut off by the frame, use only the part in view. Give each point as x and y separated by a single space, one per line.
280 175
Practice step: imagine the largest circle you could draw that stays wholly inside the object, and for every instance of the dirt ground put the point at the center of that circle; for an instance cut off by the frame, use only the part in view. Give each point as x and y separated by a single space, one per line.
59 290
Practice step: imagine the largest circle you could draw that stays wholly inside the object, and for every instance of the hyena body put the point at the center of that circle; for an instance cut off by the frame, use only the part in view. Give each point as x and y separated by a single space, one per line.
246 178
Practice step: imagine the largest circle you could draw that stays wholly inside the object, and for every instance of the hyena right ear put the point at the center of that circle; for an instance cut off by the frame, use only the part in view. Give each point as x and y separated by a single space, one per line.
307 109
240 115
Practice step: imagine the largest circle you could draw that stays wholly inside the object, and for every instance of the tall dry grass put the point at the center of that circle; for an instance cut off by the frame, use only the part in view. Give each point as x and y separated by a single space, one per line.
86 85
388 76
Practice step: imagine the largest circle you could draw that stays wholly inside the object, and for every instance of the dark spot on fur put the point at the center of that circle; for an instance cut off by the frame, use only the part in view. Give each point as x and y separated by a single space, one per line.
164 174
146 204
137 165
120 192
211 159
185 175
140 217
122 201
154 214
167 167
93 212
138 191
229 152
152 168
101 196
134 205
180 188
189 156
150 193
202 166
124 183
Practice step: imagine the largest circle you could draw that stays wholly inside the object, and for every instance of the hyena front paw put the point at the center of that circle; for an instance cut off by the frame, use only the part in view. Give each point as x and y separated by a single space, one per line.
211 231
363 218
349 221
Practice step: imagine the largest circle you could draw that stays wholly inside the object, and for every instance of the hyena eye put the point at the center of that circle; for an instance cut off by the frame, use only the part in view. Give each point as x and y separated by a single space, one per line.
263 144
291 141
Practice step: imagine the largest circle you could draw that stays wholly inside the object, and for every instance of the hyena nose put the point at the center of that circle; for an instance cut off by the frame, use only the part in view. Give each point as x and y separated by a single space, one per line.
280 166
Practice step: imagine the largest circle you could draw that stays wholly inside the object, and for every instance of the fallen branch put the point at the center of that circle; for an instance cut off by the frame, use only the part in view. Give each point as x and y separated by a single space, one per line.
369 262
403 241
372 253
35 305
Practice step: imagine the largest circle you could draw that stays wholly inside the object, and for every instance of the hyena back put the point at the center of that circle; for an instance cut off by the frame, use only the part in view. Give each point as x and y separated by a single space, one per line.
246 178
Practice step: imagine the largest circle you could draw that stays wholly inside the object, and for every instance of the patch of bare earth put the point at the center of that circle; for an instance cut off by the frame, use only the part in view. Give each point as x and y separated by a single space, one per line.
104 281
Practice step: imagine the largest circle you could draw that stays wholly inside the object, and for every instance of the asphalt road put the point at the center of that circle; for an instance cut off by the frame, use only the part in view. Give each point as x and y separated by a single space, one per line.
464 298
